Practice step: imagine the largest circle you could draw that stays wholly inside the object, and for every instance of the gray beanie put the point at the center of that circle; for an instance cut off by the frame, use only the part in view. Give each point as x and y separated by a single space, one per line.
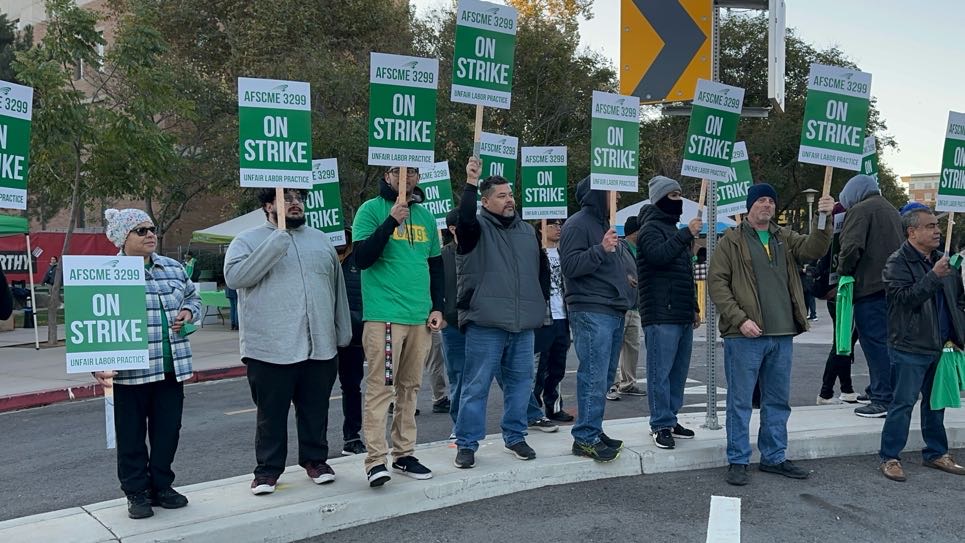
661 186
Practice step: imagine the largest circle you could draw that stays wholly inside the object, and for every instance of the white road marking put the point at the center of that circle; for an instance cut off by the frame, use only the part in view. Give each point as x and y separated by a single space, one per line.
724 524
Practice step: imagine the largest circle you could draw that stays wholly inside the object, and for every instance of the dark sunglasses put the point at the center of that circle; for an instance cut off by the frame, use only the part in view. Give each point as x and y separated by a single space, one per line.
143 230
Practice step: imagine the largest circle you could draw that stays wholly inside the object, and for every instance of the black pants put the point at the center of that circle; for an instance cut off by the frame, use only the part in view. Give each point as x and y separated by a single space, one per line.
838 366
553 344
151 411
274 387
350 373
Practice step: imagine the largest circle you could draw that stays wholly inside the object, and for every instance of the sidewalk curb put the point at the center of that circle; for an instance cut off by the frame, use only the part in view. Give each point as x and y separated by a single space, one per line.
224 510
27 400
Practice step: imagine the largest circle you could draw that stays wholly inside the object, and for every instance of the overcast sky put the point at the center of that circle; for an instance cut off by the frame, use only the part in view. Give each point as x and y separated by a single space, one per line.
915 52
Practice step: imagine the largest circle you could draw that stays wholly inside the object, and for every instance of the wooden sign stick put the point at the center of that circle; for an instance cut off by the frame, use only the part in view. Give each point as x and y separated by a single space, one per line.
280 208
701 199
403 178
948 236
477 132
826 191
543 231
613 209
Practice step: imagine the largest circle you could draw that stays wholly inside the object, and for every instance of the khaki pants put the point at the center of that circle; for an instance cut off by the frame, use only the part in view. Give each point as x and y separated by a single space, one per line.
410 345
436 369
629 352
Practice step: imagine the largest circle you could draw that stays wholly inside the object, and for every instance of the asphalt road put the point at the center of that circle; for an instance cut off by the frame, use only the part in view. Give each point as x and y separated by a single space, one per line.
54 457
846 499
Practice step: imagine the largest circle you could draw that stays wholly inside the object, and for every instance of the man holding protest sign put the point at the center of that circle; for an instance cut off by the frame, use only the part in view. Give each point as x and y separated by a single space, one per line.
503 285
754 283
598 294
152 398
870 234
294 315
397 247
668 305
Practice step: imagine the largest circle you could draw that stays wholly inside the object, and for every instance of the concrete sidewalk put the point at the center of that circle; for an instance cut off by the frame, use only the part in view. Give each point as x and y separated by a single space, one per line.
226 511
31 378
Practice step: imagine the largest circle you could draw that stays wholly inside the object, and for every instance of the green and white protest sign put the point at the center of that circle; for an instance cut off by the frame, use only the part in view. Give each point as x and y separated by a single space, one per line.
402 110
16 108
615 142
482 66
732 194
835 117
323 210
436 185
499 155
869 159
544 182
105 313
275 128
951 188
713 128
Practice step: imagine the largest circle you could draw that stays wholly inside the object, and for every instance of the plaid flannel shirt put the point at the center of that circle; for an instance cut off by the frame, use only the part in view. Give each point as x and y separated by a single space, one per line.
167 282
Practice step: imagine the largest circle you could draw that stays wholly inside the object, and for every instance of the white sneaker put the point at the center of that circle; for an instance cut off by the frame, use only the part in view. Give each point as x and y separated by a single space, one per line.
828 401
849 397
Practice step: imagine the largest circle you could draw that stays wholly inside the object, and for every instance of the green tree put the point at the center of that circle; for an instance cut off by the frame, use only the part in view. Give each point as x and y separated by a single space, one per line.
10 43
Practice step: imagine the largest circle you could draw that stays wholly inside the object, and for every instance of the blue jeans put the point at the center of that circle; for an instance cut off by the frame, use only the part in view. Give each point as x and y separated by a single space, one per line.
746 360
597 338
913 373
454 351
491 352
871 319
668 361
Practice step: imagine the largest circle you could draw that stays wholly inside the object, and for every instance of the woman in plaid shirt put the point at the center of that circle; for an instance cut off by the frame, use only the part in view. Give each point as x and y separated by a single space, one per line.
152 397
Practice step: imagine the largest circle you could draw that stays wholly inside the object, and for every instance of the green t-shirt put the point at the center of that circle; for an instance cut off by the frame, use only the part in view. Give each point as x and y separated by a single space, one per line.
765 237
396 287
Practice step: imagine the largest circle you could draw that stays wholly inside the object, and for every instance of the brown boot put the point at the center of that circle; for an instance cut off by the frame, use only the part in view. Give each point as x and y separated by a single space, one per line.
946 464
892 470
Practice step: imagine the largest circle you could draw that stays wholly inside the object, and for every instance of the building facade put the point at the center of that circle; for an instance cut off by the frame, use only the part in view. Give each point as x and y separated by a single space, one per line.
922 187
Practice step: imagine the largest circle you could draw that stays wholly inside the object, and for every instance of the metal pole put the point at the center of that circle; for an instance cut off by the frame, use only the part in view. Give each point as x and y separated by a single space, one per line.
33 298
711 318
810 216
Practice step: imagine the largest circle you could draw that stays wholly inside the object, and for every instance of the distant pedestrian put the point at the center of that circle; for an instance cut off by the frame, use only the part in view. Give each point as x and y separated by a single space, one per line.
754 283
148 403
51 272
294 315
925 311
497 314
626 377
189 263
232 296
453 340
598 295
870 234
668 306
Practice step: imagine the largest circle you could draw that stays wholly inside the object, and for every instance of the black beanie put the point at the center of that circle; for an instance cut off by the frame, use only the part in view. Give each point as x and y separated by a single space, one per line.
760 190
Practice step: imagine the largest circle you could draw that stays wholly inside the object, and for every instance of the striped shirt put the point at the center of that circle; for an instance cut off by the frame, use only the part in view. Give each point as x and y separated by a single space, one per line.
165 282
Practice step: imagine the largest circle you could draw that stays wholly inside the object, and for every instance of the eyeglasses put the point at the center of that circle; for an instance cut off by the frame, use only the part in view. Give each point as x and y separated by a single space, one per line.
292 198
409 172
143 230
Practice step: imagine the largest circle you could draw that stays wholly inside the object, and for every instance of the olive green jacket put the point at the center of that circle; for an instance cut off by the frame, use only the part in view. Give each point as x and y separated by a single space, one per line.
733 286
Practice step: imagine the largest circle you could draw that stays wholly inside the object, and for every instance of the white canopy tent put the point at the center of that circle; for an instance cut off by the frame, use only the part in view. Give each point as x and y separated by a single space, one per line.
226 231
690 211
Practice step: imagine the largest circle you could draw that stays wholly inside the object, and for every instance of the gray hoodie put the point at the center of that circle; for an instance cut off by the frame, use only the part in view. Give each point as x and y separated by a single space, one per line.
596 280
292 303
857 189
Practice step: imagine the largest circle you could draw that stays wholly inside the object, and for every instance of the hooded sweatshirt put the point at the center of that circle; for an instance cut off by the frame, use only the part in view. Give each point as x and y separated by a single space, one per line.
870 233
596 280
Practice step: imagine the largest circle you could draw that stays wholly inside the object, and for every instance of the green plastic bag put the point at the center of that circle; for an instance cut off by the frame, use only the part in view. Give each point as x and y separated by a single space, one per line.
843 315
949 379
